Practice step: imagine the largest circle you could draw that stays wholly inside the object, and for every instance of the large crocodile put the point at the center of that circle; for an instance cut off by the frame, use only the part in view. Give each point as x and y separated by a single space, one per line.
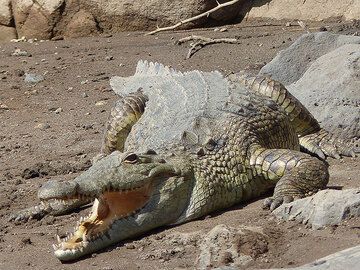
181 145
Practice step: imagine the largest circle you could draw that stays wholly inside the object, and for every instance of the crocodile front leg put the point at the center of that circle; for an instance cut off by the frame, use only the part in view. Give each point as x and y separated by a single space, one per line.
55 208
296 174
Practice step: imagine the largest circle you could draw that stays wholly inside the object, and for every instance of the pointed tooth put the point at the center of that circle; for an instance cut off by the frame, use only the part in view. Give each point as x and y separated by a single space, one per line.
58 238
54 247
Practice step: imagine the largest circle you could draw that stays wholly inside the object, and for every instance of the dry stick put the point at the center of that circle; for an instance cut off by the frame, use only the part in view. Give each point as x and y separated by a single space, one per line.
201 42
207 13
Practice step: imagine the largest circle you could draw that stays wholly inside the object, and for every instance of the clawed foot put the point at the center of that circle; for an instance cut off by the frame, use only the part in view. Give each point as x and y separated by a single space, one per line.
36 212
325 144
274 202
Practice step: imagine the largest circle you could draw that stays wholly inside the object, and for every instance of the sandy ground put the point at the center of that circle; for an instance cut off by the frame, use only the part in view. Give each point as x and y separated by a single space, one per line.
54 128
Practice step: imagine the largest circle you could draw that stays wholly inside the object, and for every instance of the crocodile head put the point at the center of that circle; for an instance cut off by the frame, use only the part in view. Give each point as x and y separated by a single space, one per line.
132 193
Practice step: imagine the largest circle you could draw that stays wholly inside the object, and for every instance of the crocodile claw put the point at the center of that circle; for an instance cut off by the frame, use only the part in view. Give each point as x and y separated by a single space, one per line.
35 212
325 144
272 203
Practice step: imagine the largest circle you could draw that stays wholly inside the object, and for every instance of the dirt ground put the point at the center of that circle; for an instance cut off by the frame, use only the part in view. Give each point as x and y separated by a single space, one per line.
51 130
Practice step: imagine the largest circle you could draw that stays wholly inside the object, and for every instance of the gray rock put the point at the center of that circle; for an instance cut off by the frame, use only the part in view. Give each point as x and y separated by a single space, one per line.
330 89
327 207
290 64
226 246
322 71
314 10
347 259
33 78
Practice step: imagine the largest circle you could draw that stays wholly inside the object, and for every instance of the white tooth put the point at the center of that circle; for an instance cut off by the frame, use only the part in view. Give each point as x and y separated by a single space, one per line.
58 238
95 206
54 247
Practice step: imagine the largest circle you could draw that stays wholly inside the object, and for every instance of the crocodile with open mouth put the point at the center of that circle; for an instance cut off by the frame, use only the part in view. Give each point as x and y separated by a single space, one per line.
178 146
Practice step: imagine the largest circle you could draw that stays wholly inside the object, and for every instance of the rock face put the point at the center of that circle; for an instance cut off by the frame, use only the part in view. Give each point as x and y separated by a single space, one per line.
53 18
290 64
5 12
45 19
327 207
7 33
305 10
322 70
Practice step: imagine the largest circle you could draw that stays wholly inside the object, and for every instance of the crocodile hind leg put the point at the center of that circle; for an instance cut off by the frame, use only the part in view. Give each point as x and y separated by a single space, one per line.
294 174
124 114
313 139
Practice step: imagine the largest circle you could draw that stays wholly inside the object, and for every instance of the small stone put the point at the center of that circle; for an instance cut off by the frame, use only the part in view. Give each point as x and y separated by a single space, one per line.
100 103
42 126
33 78
130 246
322 29
58 110
288 24
3 107
19 52
109 58
223 29
84 95
19 72
84 82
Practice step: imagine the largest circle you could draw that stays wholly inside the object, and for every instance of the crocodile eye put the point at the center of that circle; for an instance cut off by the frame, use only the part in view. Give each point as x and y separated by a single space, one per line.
131 158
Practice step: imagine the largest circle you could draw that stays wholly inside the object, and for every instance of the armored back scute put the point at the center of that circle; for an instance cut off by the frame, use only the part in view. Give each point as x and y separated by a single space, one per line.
179 103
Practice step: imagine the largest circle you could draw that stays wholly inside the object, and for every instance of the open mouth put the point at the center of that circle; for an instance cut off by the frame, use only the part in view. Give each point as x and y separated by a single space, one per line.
109 207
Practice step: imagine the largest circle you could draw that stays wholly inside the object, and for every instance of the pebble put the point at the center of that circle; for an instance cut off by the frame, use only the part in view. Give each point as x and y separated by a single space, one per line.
3 107
109 58
100 103
19 72
58 110
33 78
224 29
19 52
84 95
42 126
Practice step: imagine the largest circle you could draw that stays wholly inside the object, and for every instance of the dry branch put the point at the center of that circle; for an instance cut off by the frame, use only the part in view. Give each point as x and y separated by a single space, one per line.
207 13
200 42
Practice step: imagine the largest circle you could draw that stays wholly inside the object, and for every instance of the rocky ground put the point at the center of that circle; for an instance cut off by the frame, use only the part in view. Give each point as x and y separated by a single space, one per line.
51 129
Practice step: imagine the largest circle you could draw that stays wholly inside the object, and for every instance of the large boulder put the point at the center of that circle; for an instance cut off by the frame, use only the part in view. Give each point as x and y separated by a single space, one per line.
305 10
322 70
7 33
290 64
325 208
36 19
5 12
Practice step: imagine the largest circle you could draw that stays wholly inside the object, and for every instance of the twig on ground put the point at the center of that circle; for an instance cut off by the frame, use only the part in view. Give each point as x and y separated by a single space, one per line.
304 26
200 42
207 13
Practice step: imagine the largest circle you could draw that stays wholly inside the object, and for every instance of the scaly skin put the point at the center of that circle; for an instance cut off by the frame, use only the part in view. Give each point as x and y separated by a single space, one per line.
254 147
